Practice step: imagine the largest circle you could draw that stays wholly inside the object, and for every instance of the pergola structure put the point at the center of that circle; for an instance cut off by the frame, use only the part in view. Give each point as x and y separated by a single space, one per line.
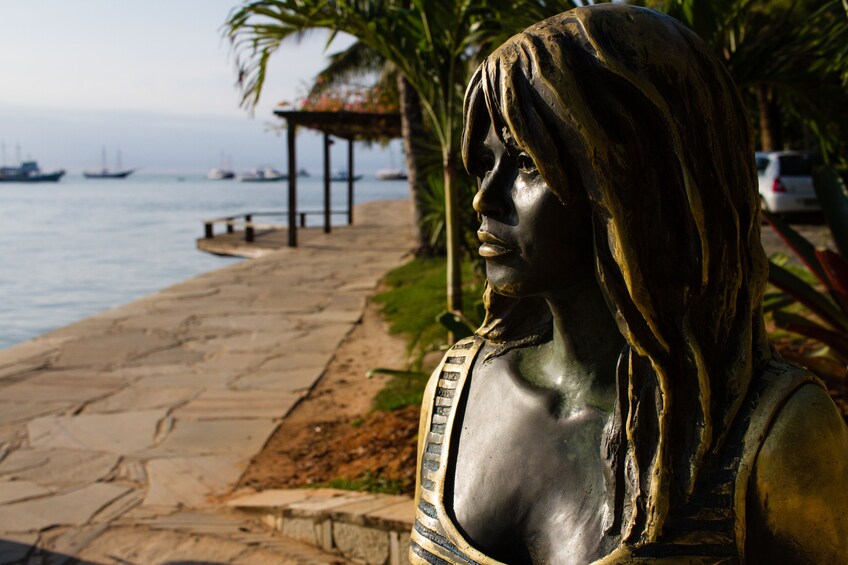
343 124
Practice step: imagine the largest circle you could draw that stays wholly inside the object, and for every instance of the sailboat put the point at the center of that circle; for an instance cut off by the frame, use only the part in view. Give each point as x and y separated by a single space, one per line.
105 173
224 172
391 173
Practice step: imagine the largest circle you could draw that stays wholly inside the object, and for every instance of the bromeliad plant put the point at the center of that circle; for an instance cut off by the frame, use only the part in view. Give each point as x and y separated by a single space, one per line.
827 320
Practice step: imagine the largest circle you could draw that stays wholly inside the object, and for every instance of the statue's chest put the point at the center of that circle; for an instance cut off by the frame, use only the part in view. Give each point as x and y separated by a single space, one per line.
526 485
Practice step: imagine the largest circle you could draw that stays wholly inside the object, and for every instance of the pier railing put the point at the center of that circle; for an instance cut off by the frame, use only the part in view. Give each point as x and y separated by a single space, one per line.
246 223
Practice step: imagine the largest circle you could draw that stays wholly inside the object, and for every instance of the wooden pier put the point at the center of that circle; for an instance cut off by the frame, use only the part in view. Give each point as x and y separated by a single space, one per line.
252 234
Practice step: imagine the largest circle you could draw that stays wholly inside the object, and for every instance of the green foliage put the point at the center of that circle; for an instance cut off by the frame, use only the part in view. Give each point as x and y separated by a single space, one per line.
434 44
401 392
781 260
368 482
795 49
458 325
413 305
351 65
826 316
416 299
832 194
432 200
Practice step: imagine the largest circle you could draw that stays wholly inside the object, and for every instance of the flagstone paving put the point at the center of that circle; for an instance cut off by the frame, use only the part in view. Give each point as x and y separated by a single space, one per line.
122 434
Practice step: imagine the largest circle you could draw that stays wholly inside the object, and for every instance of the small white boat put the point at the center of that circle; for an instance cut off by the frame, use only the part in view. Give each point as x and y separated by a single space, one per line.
268 174
223 171
220 174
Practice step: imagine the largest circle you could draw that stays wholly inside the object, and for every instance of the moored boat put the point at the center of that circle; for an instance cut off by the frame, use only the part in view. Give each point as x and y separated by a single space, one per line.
220 174
391 174
105 173
268 174
343 175
28 171
224 171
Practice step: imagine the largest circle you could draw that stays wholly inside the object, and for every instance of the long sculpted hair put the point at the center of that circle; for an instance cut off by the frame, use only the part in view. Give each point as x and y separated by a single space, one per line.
631 107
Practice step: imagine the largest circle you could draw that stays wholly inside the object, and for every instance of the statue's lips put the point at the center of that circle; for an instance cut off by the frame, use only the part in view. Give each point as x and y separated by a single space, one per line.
492 246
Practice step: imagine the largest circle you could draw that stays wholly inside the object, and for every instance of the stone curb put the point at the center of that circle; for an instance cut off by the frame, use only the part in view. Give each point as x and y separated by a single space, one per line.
363 527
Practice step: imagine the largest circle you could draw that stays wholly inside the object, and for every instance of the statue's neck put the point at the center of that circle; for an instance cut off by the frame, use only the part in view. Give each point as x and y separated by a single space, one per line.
586 344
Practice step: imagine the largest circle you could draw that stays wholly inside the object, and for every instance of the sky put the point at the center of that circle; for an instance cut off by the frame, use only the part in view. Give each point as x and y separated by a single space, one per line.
153 79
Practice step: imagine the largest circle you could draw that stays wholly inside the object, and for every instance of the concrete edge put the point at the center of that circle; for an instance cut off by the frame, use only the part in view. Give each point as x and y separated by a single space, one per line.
363 527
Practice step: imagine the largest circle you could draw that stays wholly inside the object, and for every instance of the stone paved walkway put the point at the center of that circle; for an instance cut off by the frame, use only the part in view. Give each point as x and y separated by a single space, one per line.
121 434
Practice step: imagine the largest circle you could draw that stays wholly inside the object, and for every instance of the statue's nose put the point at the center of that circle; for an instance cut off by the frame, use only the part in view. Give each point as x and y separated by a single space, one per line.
492 194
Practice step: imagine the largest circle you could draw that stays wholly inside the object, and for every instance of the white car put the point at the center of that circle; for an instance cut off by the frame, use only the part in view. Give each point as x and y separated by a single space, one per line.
786 181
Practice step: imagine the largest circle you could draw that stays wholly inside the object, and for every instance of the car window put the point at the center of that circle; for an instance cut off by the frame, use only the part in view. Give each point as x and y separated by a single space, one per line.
796 165
762 163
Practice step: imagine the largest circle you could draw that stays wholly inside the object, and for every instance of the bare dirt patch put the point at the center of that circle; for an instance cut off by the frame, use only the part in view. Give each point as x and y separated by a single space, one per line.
332 433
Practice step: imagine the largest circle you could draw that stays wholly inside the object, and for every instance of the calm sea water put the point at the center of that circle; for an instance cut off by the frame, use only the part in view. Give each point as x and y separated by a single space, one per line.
77 247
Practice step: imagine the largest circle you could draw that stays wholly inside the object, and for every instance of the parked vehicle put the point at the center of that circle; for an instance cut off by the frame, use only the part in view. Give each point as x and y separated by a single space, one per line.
786 181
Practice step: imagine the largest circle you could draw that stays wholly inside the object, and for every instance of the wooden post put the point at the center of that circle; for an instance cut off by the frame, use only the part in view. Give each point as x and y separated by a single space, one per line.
327 143
303 219
207 230
230 228
292 185
350 181
249 235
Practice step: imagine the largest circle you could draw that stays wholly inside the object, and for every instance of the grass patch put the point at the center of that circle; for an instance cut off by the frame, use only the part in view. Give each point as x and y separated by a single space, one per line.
415 298
368 482
400 392
417 295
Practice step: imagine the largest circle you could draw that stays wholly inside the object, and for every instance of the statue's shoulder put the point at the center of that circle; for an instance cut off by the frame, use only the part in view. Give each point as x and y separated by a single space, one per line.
455 365
798 489
460 355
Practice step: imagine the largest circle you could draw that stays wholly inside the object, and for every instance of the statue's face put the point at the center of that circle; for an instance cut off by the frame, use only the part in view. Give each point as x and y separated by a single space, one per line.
533 244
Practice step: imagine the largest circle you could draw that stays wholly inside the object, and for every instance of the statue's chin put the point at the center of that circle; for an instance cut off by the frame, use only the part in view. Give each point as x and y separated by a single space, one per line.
512 288
506 279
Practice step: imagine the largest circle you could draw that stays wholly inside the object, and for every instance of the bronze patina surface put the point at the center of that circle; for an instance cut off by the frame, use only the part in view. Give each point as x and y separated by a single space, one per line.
621 403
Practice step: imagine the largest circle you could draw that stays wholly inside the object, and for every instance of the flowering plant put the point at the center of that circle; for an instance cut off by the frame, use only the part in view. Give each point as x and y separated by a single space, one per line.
372 99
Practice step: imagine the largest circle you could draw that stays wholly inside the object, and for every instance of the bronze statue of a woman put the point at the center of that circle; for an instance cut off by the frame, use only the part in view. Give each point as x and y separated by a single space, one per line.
621 404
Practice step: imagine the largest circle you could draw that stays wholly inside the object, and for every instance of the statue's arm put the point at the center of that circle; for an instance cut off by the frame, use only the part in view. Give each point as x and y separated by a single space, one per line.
798 495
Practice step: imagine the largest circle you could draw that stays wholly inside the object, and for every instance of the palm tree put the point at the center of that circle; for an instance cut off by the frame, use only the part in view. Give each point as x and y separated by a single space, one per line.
359 61
431 42
790 56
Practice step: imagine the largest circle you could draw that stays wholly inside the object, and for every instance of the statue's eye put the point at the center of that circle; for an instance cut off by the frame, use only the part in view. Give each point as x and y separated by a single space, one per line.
526 164
484 162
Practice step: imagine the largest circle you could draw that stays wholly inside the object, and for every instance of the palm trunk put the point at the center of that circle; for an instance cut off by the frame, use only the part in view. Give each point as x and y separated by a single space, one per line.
769 112
454 283
412 128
